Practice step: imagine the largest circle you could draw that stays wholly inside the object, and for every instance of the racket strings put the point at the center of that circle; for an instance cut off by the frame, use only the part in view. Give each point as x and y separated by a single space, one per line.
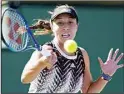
15 31
17 38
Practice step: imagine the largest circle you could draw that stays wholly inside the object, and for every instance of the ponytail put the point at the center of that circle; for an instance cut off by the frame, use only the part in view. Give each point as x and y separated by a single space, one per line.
41 27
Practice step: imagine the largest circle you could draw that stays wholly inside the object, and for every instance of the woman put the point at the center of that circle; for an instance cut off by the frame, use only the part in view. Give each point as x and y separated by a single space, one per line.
64 72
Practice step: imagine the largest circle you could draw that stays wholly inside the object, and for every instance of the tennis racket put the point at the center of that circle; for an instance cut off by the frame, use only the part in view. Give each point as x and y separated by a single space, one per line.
16 34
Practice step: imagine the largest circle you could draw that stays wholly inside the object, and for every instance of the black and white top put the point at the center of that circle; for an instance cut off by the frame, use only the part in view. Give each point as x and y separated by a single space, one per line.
66 75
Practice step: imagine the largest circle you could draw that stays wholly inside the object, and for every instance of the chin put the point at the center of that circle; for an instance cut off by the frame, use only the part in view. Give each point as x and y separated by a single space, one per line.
67 39
70 38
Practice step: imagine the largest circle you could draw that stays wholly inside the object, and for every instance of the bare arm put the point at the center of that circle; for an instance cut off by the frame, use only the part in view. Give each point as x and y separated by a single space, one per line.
33 67
97 86
89 86
87 74
109 67
36 63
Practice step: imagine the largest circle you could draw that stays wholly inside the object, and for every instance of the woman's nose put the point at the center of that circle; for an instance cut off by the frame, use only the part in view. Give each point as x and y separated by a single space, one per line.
66 27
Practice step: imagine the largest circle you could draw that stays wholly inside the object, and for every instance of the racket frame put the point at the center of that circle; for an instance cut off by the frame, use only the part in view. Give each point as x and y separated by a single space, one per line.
30 34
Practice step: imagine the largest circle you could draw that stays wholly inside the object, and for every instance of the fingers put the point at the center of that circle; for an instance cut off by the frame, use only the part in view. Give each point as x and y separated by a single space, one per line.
100 61
110 54
46 50
119 58
121 65
47 47
115 54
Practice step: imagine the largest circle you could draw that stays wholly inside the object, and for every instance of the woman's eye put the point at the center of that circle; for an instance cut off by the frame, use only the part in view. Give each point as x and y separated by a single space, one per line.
60 23
70 22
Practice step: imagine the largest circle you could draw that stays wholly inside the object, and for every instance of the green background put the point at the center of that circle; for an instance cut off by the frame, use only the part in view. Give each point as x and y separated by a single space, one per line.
100 28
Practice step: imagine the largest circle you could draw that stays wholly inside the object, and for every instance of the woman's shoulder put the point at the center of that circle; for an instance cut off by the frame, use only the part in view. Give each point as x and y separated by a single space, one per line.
85 56
83 50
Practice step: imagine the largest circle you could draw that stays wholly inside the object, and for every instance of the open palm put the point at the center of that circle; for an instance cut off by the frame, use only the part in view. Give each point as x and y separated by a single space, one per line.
110 66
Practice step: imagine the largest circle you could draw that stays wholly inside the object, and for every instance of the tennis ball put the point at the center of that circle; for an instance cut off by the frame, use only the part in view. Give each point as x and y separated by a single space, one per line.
70 46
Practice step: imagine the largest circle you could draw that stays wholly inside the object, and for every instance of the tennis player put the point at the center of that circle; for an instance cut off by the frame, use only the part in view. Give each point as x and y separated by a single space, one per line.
62 72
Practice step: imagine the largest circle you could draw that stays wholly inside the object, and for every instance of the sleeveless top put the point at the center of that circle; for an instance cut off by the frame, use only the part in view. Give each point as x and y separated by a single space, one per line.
66 75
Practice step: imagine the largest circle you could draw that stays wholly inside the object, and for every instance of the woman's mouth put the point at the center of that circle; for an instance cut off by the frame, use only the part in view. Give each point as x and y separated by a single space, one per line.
65 35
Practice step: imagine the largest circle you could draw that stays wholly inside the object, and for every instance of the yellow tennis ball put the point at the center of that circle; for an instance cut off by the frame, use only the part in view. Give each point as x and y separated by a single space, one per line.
70 46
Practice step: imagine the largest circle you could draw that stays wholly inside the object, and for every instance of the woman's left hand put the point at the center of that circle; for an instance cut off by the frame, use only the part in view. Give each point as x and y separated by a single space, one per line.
110 66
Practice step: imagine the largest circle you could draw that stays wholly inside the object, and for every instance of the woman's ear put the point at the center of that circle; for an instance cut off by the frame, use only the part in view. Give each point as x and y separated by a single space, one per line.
77 26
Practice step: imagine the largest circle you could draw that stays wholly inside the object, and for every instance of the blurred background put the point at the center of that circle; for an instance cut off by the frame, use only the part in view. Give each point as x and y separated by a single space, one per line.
101 27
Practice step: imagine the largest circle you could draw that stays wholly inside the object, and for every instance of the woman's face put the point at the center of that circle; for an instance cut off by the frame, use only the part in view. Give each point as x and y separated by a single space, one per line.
64 27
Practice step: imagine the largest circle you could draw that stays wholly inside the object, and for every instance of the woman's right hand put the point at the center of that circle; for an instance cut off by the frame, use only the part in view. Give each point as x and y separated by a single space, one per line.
48 60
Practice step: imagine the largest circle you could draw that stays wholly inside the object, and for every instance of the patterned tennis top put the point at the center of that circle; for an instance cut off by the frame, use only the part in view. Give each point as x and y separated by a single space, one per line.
66 75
